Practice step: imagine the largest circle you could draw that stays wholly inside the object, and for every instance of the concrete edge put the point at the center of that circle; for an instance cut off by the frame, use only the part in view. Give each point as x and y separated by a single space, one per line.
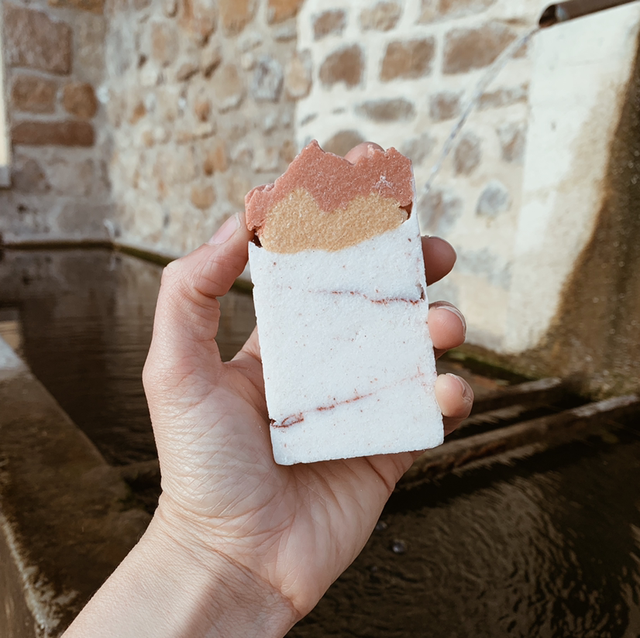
66 519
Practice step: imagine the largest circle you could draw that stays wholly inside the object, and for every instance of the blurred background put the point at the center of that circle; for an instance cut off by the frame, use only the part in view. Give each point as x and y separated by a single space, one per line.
131 129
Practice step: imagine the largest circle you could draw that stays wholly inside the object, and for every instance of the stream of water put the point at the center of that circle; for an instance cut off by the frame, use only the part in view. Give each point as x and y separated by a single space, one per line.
473 99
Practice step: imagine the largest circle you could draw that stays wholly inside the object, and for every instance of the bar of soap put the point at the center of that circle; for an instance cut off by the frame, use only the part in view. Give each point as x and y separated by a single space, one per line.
341 307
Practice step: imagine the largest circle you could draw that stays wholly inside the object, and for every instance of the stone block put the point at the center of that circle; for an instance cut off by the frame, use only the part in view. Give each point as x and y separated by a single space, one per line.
408 59
342 142
288 151
329 23
280 10
382 17
432 10
445 106
190 133
170 8
495 199
203 195
344 65
94 6
202 108
235 15
228 88
216 159
417 149
33 40
164 42
392 110
469 49
89 47
242 153
68 133
28 176
504 97
297 79
237 187
79 99
439 210
33 94
512 138
68 177
266 84
199 18
285 32
468 154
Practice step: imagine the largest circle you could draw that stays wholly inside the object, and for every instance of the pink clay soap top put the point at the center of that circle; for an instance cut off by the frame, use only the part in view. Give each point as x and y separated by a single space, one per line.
334 181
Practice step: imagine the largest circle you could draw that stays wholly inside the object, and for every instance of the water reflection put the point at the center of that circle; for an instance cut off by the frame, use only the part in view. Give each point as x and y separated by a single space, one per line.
546 548
82 320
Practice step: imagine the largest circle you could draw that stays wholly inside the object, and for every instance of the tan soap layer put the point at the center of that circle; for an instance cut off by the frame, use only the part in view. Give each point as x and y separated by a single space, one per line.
297 223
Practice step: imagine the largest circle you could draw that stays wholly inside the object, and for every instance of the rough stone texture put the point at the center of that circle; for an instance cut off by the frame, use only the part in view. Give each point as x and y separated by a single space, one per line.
235 14
279 10
79 99
33 40
198 19
468 49
228 87
433 10
216 160
69 133
33 94
418 148
210 58
95 6
468 154
297 79
164 42
28 176
382 17
345 65
504 97
445 106
512 136
203 195
393 110
408 59
329 23
439 210
268 76
494 200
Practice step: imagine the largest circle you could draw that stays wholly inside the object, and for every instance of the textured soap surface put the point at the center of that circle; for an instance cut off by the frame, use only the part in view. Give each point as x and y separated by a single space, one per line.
347 357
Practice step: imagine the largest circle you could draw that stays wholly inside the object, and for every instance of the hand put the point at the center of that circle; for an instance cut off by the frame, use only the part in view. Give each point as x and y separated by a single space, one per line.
226 507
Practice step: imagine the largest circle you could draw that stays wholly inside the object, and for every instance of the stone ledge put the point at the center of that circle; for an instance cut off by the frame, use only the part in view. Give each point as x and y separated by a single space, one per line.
64 518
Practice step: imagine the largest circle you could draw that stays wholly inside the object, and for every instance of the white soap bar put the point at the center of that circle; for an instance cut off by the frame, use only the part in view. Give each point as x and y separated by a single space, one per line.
348 361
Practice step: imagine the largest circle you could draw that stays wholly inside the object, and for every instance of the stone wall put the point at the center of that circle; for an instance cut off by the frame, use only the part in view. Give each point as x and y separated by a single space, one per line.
54 61
201 96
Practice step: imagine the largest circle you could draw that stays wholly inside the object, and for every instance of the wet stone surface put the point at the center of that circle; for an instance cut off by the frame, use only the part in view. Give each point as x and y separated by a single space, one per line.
547 547
82 320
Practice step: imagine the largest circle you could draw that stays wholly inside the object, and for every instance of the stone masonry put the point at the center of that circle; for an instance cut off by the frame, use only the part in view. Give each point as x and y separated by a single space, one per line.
200 100
54 58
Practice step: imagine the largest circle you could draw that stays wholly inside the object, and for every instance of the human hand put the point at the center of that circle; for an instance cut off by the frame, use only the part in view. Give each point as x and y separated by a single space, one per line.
238 543
295 528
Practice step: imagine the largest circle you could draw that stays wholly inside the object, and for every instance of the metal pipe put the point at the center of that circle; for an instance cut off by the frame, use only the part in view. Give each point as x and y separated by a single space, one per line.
564 11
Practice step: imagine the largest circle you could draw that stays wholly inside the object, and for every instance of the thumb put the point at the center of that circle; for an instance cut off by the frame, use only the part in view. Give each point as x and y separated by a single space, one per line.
188 312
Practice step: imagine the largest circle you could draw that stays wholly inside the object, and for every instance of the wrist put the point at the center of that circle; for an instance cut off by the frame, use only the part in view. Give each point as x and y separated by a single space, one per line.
169 588
225 597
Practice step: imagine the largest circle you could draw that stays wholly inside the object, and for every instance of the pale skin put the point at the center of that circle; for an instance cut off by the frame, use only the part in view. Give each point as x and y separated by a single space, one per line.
240 546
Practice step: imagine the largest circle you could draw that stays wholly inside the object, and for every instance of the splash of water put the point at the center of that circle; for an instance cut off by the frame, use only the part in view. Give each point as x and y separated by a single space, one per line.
497 66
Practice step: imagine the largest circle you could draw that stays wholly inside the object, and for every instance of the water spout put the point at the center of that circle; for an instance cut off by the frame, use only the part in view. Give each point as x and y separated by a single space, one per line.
565 11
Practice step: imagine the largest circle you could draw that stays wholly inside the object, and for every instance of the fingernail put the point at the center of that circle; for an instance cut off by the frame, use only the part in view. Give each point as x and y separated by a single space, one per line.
458 314
467 392
226 231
